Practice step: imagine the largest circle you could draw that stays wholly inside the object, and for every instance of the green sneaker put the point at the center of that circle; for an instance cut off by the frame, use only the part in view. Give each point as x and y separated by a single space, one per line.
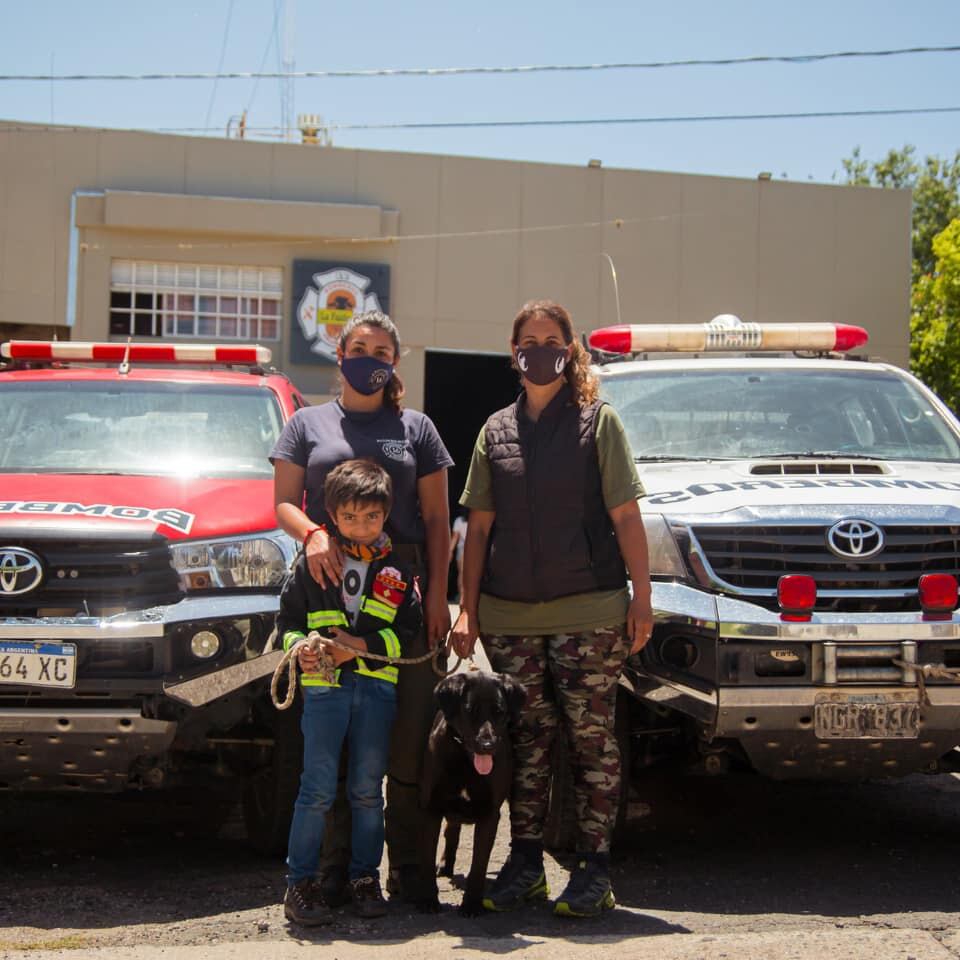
588 892
518 882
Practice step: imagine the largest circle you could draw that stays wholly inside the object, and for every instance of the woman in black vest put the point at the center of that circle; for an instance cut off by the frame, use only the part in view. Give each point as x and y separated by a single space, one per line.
552 492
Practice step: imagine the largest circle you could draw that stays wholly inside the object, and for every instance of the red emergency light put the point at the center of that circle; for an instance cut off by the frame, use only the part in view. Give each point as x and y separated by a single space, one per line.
80 350
726 332
938 595
797 596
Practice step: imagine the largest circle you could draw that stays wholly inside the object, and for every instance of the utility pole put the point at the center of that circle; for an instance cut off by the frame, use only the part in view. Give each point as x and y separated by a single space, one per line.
287 67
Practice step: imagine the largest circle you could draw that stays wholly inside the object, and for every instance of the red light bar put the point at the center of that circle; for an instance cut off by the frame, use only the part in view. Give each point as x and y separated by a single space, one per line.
797 596
726 332
138 352
938 594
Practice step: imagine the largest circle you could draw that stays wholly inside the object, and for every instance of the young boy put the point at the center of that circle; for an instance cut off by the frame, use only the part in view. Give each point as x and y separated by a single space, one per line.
375 609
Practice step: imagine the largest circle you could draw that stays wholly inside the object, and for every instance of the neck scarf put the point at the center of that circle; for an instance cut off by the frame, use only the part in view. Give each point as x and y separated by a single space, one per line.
367 552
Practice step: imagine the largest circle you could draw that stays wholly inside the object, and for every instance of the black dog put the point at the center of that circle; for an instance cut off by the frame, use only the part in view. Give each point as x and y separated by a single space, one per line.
467 772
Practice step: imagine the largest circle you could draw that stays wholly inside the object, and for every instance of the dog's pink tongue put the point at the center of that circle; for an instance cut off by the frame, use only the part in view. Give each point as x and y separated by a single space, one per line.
482 763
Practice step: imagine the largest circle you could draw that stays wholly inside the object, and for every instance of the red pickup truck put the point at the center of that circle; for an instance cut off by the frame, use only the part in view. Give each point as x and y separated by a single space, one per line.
140 568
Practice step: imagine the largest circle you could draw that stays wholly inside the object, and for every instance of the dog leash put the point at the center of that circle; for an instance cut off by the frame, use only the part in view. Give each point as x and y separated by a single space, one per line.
328 668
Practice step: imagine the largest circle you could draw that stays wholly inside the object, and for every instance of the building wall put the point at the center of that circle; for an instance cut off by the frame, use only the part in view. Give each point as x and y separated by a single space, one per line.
467 240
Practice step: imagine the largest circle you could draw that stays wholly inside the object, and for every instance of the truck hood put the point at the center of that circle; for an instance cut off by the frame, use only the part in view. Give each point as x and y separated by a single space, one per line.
719 486
174 508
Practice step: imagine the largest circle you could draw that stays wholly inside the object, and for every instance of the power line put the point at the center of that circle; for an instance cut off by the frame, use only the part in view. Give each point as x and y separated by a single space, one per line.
610 121
461 71
6 127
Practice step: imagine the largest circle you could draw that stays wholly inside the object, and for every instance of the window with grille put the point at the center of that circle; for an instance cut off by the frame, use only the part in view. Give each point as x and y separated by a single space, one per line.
205 301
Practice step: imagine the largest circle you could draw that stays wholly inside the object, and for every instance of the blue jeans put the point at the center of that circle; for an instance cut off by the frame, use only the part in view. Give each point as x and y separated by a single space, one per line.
360 711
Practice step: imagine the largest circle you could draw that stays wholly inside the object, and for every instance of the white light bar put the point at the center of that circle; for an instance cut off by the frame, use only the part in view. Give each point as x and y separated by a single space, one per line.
726 332
138 352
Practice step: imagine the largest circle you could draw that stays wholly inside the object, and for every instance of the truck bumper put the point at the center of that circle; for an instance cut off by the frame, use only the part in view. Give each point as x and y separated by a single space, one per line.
843 658
137 688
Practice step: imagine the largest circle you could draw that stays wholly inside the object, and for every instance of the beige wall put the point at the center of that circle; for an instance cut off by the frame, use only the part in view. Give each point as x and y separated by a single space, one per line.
467 240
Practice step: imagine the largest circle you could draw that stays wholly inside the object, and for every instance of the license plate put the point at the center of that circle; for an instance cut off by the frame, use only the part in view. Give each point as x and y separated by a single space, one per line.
38 664
868 716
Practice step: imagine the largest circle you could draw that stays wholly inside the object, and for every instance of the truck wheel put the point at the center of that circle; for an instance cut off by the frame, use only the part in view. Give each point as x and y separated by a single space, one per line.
622 733
271 790
560 827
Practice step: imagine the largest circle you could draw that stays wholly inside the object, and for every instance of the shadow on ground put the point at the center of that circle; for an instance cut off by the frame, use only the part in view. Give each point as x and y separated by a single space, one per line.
710 851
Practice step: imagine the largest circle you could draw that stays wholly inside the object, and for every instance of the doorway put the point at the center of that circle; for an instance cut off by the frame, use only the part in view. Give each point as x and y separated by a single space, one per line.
461 390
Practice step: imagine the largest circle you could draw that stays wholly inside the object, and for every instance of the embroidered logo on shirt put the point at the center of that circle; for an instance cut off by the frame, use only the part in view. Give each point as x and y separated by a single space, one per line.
394 449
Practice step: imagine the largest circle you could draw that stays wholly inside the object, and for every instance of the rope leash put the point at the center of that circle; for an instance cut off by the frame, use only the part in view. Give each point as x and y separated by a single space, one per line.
929 671
327 670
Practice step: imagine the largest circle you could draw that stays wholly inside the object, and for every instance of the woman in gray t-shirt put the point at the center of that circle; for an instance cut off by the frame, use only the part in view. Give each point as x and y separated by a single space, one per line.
366 420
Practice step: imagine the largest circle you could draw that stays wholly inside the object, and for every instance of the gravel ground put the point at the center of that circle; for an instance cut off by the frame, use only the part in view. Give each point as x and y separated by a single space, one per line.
714 858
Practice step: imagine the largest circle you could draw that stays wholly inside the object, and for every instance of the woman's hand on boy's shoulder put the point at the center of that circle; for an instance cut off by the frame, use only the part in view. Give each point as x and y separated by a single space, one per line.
324 560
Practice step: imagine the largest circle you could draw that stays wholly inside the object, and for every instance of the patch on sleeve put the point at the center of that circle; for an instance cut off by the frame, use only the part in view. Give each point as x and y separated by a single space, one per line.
389 587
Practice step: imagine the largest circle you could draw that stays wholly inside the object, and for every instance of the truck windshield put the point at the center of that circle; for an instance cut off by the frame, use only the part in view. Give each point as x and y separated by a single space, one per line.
733 413
156 429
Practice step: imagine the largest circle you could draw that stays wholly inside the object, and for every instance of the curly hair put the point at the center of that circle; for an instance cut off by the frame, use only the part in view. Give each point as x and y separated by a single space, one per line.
583 382
394 390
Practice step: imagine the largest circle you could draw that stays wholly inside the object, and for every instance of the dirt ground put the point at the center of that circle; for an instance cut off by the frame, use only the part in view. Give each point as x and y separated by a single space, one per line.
712 857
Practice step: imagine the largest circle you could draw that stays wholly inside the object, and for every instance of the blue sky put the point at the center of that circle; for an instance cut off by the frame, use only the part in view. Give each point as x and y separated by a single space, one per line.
108 36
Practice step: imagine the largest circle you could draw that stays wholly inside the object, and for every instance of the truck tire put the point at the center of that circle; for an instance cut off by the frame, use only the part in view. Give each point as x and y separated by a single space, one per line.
560 827
271 790
621 730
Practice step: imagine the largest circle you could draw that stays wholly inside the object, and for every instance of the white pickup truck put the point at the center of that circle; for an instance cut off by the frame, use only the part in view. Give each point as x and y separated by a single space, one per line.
803 516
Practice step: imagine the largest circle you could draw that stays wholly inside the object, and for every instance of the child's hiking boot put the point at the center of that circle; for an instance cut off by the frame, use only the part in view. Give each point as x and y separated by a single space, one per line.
303 904
367 899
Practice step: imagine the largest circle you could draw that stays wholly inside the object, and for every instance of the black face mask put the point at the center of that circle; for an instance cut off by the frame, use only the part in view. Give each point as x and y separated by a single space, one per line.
366 375
541 363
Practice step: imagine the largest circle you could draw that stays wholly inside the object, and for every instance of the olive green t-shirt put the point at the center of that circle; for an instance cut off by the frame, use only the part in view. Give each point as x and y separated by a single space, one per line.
579 612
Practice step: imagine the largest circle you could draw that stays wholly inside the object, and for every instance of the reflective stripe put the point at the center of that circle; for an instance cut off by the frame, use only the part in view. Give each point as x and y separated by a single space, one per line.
379 609
316 679
326 618
290 638
391 640
387 672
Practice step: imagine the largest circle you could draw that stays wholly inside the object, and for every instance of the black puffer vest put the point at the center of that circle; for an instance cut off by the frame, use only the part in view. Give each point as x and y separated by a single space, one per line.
552 536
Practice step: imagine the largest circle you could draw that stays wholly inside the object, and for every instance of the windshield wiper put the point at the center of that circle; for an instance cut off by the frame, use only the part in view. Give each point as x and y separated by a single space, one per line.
820 455
676 458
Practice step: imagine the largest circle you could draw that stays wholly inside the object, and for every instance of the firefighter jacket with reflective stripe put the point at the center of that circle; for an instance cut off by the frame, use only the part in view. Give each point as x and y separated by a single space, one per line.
388 619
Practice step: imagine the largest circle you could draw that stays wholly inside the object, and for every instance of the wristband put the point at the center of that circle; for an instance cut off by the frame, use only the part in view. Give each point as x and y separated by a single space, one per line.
312 531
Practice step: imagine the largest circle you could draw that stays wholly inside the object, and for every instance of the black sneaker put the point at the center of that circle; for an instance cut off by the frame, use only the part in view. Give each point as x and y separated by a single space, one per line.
367 899
303 904
334 887
519 881
588 892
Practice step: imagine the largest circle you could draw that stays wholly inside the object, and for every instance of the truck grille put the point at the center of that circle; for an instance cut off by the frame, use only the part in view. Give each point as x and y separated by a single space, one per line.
746 558
93 575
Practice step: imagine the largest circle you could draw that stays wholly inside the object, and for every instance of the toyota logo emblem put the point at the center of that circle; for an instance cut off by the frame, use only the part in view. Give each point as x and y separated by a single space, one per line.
20 571
855 539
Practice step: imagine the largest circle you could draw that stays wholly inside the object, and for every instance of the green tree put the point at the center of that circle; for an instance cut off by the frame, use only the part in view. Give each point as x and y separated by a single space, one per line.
935 319
936 194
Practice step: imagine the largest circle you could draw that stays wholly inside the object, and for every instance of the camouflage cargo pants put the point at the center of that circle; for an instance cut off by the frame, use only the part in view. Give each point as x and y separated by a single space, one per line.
571 684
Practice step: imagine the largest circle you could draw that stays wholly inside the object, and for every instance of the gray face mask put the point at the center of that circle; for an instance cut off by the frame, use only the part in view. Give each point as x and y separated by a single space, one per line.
541 363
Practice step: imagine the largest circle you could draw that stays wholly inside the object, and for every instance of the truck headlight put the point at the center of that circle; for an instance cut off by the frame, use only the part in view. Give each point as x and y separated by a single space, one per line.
259 560
665 559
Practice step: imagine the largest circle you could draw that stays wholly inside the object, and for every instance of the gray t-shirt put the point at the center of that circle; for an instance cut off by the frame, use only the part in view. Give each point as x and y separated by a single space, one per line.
406 445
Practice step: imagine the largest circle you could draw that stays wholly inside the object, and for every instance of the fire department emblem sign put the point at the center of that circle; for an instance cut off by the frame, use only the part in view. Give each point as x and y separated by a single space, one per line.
327 298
